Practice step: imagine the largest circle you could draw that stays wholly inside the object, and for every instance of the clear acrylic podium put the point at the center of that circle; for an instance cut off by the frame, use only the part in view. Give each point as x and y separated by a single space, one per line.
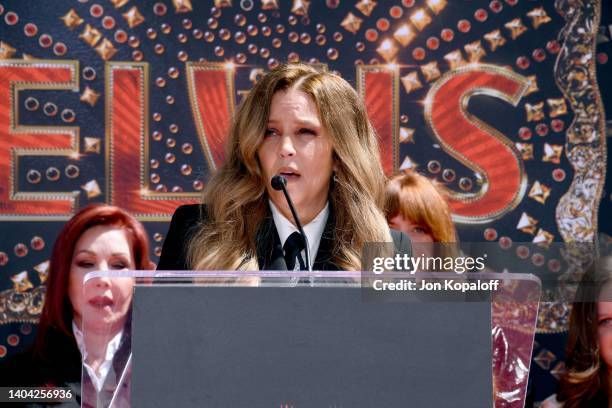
277 338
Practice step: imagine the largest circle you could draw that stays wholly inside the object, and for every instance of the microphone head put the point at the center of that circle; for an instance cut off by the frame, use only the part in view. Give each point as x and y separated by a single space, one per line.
278 182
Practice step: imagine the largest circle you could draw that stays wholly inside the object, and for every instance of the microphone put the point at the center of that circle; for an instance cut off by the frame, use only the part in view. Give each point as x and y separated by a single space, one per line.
279 183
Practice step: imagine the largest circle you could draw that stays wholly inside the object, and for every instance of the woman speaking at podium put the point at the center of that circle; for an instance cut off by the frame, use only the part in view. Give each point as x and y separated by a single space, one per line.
311 128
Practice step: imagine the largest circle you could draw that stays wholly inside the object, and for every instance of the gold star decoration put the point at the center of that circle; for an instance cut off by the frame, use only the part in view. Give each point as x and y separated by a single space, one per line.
366 6
552 153
475 51
404 35
516 28
27 57
455 59
269 4
533 85
351 23
544 359
119 3
300 7
543 238
43 271
71 19
182 6
6 51
387 49
558 370
436 5
534 112
21 283
539 192
526 150
133 17
420 19
92 145
602 37
538 17
90 96
223 3
406 135
557 107
90 35
92 189
430 71
106 49
495 39
527 224
408 164
411 82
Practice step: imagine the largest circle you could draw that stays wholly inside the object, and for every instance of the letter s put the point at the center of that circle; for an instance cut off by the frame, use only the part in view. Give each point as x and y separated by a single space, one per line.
477 145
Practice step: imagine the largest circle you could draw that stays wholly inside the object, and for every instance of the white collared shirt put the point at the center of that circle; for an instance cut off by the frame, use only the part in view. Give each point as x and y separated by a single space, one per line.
111 348
313 230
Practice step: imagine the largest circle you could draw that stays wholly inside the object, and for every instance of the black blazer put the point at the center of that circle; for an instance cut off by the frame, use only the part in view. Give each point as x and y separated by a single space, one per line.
62 367
188 218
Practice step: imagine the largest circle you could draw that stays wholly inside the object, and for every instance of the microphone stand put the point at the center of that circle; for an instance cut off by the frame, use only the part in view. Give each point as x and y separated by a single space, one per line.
280 183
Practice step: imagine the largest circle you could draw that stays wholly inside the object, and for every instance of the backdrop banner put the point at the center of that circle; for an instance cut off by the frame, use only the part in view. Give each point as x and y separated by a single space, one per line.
128 102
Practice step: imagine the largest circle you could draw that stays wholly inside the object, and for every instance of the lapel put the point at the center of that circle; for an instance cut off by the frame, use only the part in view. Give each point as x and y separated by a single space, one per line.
270 251
324 259
270 255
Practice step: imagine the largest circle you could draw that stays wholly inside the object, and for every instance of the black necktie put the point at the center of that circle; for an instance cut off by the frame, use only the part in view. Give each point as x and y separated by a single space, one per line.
293 250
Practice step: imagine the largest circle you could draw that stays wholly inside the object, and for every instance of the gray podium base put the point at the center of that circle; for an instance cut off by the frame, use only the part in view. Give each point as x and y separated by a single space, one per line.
306 347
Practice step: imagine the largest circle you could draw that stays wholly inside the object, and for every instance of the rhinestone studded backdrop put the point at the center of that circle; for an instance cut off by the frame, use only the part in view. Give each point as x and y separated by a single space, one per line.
127 102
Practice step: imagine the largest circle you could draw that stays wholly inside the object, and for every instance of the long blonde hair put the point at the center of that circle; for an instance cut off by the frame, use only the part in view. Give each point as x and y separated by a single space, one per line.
235 197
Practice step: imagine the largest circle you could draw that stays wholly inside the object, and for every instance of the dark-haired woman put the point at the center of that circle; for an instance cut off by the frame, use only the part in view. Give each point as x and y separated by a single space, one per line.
587 379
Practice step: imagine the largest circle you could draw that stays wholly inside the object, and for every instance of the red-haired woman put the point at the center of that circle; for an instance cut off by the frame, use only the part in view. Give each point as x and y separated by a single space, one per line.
417 207
99 237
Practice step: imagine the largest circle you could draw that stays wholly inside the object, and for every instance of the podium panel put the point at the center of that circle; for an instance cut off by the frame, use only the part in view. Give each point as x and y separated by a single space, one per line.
272 339
306 347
